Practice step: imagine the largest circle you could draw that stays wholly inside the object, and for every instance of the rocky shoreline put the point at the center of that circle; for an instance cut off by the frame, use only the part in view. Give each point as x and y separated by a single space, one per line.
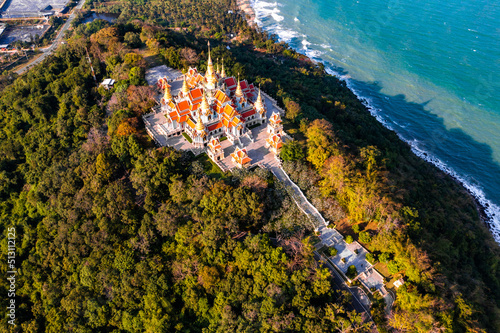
246 8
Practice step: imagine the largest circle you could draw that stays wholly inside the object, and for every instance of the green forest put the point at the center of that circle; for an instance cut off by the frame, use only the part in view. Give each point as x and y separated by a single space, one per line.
117 235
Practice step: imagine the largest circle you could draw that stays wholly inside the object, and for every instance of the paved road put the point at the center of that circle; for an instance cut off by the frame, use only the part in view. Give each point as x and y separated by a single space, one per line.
359 303
47 51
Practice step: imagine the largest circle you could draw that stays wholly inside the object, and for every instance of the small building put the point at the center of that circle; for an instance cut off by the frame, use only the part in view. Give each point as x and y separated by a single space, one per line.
215 151
275 124
240 158
274 143
399 283
108 83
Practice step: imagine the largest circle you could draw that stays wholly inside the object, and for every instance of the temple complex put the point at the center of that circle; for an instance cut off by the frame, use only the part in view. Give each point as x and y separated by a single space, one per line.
211 106
224 116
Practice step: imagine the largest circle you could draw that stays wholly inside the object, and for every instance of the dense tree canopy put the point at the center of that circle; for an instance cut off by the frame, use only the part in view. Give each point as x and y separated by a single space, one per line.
116 235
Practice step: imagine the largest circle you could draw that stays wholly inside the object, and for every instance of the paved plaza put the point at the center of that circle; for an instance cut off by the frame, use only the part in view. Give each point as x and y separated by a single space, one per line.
155 73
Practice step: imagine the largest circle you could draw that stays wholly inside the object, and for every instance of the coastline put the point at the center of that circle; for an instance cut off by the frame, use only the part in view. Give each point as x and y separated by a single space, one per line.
246 8
482 209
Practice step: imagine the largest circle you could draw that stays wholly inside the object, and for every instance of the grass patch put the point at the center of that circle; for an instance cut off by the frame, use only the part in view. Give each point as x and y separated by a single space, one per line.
222 138
211 169
187 137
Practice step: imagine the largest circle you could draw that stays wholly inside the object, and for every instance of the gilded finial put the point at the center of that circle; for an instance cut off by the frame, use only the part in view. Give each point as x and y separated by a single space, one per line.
223 72
238 92
185 88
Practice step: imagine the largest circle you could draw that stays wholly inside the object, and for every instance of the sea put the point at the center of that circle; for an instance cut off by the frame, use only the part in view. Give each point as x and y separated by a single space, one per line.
429 70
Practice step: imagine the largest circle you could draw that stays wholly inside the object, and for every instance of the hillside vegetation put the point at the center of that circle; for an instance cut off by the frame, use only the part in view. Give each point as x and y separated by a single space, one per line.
116 235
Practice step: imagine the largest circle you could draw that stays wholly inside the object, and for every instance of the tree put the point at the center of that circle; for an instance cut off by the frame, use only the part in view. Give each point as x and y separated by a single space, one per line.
320 142
349 239
132 39
291 151
103 167
189 55
293 110
351 272
365 237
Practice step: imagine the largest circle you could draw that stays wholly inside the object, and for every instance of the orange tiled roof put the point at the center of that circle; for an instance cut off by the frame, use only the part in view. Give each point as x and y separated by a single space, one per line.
182 106
195 107
195 94
173 115
214 144
221 97
241 156
190 123
275 118
236 121
275 141
229 111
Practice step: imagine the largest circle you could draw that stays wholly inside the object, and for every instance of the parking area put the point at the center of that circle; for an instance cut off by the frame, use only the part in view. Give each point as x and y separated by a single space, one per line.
28 8
23 33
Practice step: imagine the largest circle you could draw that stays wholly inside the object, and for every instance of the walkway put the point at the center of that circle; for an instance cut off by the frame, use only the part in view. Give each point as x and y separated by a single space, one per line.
300 199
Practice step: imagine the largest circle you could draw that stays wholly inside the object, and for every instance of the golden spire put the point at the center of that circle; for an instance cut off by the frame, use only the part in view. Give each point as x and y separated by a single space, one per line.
199 124
205 108
239 92
209 75
209 57
168 95
217 68
259 105
185 88
223 72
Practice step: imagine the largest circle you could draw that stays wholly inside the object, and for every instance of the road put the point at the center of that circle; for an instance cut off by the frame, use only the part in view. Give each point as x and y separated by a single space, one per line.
47 51
339 282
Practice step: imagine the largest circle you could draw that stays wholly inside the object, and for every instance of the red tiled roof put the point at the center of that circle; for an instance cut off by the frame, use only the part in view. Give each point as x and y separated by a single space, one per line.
230 82
248 113
215 126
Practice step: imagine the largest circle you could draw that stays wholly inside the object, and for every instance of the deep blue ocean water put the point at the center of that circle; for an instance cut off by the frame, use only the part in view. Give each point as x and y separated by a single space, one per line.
429 70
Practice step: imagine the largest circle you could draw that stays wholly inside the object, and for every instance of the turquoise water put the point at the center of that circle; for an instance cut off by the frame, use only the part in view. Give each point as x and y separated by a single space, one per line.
429 70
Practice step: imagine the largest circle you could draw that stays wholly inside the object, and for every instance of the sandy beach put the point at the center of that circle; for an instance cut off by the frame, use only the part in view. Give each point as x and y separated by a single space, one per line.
244 5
